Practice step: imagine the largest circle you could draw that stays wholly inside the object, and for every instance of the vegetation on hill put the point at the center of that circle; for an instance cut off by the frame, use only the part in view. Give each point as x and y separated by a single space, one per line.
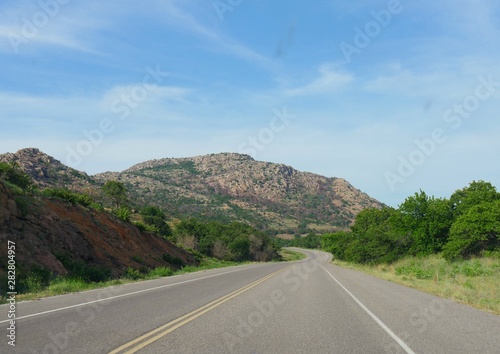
234 187
56 220
220 187
13 176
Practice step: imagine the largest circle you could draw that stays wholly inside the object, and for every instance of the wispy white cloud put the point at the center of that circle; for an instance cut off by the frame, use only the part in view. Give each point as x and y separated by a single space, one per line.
173 14
329 80
18 105
406 82
28 25
447 82
471 18
80 27
142 94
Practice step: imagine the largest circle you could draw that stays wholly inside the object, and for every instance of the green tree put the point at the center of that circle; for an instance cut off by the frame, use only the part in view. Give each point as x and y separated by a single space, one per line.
475 231
378 236
336 243
427 220
155 217
240 248
236 241
191 227
116 191
475 193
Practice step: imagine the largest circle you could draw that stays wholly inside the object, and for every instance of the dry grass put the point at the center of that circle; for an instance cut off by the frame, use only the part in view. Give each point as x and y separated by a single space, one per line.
475 282
289 255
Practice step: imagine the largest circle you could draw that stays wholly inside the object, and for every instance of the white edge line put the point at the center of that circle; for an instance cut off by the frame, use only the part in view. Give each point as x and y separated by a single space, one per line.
398 340
127 294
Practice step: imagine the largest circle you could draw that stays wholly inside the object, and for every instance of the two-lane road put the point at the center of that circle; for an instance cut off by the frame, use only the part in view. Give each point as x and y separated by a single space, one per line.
308 306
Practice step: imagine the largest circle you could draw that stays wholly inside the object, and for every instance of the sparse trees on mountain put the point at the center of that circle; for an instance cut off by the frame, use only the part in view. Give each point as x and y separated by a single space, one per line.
116 191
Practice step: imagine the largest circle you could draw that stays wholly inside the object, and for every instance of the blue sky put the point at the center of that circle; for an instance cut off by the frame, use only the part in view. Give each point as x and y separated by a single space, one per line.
394 96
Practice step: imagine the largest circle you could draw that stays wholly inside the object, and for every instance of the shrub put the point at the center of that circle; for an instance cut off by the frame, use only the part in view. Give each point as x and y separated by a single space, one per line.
469 269
16 190
31 283
65 285
70 197
123 213
132 273
176 261
97 206
415 271
145 227
138 259
83 271
11 173
160 272
33 280
153 216
23 204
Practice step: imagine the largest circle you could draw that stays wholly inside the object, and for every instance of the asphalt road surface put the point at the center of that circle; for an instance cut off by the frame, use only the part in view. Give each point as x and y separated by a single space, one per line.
309 306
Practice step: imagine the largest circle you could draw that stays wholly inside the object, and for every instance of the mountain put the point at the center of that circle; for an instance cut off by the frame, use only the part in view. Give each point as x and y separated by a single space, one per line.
224 187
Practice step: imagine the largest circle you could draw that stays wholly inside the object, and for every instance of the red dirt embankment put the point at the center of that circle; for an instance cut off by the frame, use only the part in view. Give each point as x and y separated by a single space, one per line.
42 228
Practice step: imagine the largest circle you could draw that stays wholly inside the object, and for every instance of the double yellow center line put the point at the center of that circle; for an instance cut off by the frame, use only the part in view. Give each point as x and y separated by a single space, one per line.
150 337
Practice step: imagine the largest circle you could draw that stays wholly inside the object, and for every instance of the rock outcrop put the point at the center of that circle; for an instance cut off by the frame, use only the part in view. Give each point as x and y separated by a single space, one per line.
224 187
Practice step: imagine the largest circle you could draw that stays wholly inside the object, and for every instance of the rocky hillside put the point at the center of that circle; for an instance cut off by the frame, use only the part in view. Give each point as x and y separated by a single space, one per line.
46 171
236 187
47 231
224 187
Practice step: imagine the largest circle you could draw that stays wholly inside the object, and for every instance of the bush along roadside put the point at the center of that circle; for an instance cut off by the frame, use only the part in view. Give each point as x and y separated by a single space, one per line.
40 282
446 246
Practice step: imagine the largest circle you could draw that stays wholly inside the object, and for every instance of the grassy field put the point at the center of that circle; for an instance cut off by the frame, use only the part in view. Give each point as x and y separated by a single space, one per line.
475 282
